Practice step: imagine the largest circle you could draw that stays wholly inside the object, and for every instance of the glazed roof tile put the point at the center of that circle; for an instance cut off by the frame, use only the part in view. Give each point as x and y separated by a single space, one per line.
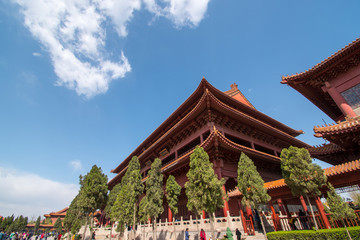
349 125
324 149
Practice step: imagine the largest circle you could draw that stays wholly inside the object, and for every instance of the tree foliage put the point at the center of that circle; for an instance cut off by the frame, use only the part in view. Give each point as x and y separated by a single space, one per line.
143 214
125 206
73 215
121 211
37 225
250 183
58 225
301 175
154 190
112 198
173 190
203 189
93 191
338 207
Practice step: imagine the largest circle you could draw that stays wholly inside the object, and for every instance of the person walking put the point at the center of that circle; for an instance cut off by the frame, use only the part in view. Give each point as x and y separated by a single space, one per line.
238 234
187 234
202 235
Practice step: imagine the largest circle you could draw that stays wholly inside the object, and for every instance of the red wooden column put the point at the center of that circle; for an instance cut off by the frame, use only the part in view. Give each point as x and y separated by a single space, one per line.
281 206
274 216
226 204
170 217
320 207
303 204
203 214
243 220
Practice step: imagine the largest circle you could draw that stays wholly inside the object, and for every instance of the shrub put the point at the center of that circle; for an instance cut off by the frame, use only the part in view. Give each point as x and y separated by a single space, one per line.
323 234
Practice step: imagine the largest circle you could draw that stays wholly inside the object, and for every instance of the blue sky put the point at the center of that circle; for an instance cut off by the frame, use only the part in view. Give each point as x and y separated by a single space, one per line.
84 82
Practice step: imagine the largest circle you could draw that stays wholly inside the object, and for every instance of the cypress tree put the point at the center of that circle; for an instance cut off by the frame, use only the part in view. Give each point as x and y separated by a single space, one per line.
154 192
303 177
121 211
37 225
110 203
125 206
173 190
203 189
338 207
93 192
251 185
58 225
73 214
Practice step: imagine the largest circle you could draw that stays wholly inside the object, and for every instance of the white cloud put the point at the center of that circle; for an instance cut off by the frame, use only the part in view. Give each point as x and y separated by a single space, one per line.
73 32
30 195
36 54
180 12
76 165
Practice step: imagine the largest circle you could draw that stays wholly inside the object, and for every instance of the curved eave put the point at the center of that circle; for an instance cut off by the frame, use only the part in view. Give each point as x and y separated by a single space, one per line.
256 123
226 143
204 89
201 105
348 126
324 149
252 111
324 65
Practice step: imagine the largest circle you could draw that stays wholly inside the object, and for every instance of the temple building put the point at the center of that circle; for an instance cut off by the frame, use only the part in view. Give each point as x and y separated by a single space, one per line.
224 124
334 86
55 215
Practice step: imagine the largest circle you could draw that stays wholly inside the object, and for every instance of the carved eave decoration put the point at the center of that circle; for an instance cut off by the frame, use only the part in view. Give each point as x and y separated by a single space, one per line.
346 134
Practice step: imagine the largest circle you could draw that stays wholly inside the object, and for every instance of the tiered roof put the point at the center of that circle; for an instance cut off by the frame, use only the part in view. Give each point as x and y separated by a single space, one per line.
208 104
61 213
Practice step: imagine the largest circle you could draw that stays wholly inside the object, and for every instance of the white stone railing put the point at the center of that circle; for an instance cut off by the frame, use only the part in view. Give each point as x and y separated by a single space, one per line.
168 230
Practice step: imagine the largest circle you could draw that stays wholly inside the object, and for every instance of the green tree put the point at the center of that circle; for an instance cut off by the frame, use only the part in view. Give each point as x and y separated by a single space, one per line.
37 225
203 189
143 214
303 177
121 211
173 191
93 193
110 203
338 207
251 185
133 180
58 225
72 217
154 192
125 206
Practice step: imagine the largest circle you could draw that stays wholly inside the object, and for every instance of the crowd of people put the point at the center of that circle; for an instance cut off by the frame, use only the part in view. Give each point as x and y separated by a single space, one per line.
29 236
228 234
